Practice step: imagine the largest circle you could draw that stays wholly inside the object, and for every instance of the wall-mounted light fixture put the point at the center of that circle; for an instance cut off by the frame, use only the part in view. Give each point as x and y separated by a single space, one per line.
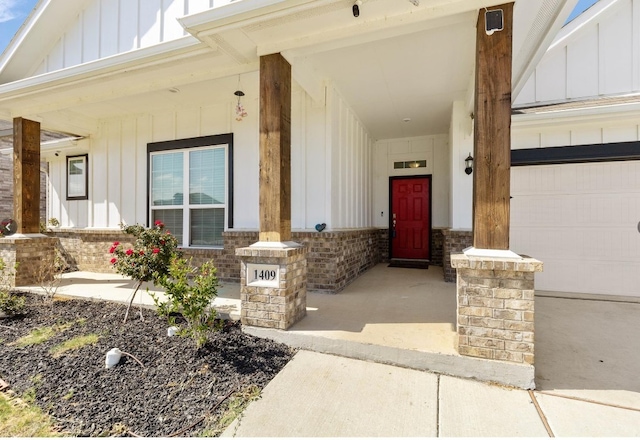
468 163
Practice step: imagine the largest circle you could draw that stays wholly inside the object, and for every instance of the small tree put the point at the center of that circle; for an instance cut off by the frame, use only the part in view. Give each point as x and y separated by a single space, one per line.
189 291
148 259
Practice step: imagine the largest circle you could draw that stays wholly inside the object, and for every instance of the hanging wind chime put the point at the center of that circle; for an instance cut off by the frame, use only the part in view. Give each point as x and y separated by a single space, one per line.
240 111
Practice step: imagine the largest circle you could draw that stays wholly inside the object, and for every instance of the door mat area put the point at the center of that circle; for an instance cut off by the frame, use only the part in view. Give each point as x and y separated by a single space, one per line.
409 264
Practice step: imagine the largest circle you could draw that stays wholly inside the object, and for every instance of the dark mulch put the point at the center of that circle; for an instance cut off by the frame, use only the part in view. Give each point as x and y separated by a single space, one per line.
177 386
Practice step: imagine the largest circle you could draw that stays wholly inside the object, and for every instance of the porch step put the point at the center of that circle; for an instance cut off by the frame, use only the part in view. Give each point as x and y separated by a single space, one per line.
504 373
409 264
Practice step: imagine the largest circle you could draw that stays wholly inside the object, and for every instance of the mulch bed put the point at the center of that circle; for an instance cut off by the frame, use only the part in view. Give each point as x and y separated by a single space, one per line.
177 388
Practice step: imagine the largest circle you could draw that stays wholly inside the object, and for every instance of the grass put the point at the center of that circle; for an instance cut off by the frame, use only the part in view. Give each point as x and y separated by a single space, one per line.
74 344
237 404
43 334
37 336
21 420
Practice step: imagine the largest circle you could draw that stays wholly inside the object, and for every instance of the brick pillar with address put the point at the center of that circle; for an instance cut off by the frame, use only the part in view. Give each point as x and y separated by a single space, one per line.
273 286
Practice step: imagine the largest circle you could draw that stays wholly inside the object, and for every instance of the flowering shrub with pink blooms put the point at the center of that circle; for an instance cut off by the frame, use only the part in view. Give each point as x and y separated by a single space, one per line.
150 256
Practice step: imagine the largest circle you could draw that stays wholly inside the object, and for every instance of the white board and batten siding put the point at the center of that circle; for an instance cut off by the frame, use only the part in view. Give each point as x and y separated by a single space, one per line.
582 219
590 58
109 27
118 165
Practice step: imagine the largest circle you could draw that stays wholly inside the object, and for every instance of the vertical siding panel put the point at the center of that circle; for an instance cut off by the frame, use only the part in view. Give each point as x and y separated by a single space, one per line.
187 123
55 59
617 56
73 44
171 10
636 44
99 170
91 33
109 28
195 6
582 66
215 119
129 191
163 126
57 190
128 22
142 137
342 145
149 22
114 174
316 165
551 78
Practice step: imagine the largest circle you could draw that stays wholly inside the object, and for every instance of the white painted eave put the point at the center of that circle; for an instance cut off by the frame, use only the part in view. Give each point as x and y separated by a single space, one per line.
36 36
243 13
585 115
126 62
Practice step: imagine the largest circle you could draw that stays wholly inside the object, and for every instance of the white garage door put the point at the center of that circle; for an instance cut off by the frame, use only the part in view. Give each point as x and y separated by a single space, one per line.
582 222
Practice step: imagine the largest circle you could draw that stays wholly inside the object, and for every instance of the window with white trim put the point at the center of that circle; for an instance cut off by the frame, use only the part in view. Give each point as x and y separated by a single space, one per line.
188 192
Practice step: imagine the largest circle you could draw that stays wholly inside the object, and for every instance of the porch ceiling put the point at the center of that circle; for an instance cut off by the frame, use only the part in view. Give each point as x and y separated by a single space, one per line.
395 61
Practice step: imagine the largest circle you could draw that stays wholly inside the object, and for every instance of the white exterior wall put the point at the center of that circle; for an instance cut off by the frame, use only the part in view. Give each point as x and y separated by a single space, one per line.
110 27
326 160
590 58
433 149
348 167
461 140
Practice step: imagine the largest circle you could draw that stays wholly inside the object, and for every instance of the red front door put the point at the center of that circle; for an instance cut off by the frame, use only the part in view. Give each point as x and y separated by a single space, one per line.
410 217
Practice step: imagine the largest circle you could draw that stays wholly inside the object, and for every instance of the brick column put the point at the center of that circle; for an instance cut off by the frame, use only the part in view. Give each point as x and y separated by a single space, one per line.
495 311
273 286
32 254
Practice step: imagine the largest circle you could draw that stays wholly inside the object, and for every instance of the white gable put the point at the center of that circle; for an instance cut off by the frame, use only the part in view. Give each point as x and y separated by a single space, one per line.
103 28
596 55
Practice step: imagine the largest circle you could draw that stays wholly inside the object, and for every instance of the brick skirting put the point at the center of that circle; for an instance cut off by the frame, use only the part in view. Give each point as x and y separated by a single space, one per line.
334 259
454 241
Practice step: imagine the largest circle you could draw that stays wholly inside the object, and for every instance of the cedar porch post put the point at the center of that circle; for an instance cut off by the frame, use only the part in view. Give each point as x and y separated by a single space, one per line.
275 149
31 251
26 175
492 134
495 287
273 272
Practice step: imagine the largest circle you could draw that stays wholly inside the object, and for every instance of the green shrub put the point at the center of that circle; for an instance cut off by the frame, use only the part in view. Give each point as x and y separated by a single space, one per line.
10 303
189 292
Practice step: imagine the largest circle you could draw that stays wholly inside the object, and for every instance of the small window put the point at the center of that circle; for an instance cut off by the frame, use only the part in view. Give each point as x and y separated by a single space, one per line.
77 177
410 164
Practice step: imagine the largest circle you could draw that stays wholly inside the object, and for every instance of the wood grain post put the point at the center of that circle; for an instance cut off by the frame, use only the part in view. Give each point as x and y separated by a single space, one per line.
26 175
492 134
275 149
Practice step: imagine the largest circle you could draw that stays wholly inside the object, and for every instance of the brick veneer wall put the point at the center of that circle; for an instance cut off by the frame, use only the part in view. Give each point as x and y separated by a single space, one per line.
30 254
454 242
6 187
334 259
437 246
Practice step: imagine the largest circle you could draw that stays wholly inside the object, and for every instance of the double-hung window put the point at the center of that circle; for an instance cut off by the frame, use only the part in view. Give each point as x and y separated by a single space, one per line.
189 190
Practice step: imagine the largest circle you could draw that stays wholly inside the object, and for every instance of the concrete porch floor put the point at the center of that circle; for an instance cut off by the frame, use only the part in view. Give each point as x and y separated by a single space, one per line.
587 347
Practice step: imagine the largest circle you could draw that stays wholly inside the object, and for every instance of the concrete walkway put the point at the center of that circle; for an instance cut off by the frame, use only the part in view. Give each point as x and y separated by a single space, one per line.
320 395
